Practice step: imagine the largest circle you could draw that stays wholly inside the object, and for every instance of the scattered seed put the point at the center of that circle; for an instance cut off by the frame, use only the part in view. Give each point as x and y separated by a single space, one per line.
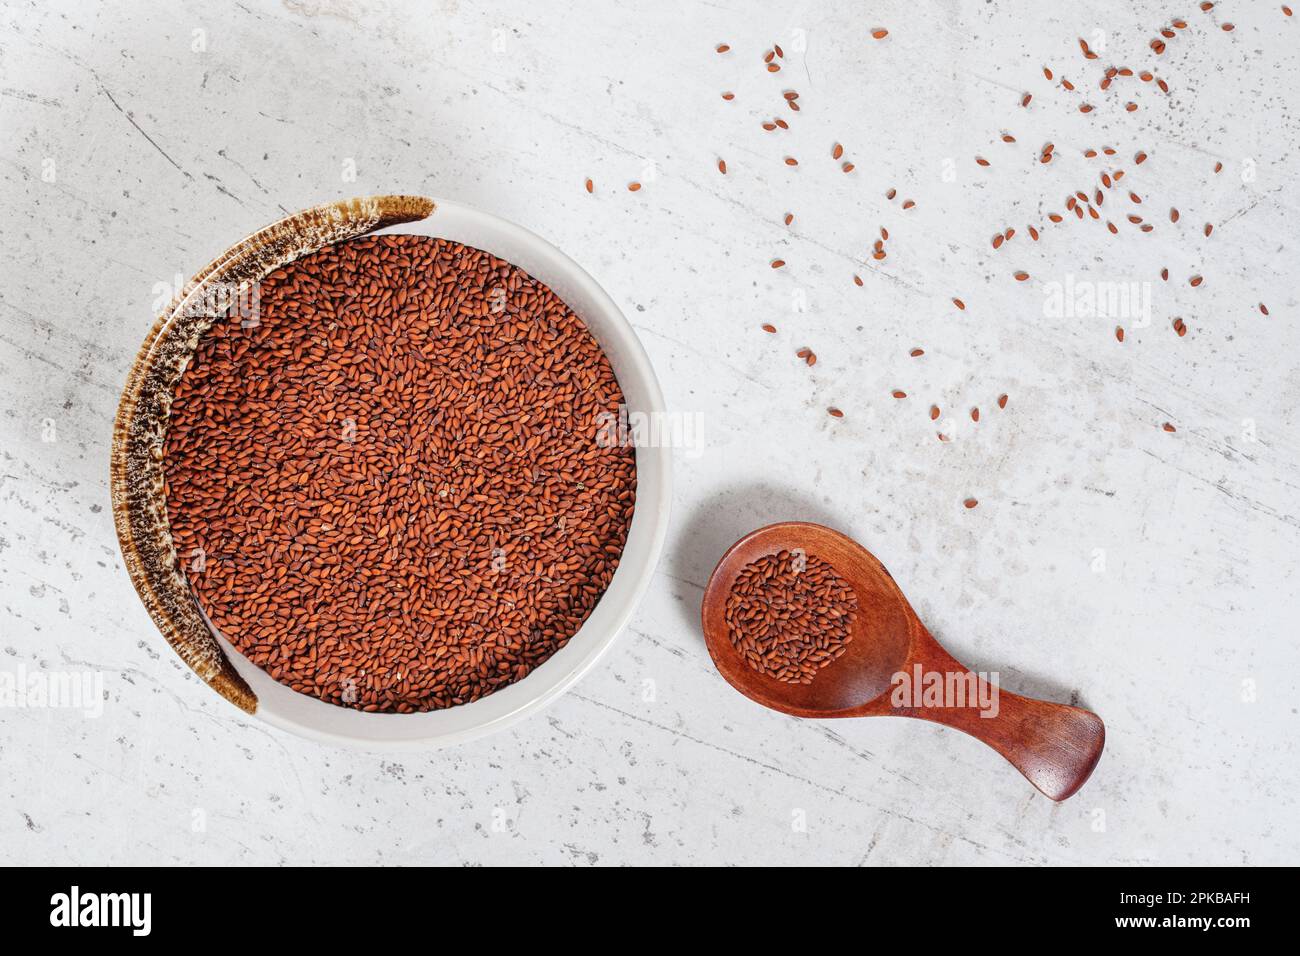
789 218
959 303
1208 229
777 263
899 393
917 353
1169 428
591 187
1002 401
934 412
769 328
837 151
974 414
791 161
1021 276
1119 333
970 502
722 166
633 187
1262 307
722 48
879 34
1194 281
834 412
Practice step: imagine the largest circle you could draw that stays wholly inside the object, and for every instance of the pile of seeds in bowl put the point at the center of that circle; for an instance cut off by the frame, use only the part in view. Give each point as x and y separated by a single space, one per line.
789 615
396 490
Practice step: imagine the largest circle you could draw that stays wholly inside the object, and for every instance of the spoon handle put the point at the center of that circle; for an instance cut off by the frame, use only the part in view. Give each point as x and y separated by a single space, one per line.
1055 746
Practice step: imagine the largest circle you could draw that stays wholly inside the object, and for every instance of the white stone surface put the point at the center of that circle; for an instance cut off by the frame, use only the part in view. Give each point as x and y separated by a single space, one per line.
128 154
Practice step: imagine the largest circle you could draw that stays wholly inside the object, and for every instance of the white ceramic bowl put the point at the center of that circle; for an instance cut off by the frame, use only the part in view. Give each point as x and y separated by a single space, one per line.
310 717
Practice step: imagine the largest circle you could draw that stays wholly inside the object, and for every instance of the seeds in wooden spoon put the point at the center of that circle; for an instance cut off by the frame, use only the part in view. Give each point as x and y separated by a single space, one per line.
789 615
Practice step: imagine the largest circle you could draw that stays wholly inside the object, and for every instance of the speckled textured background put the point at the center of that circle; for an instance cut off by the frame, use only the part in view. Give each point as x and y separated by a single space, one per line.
1146 575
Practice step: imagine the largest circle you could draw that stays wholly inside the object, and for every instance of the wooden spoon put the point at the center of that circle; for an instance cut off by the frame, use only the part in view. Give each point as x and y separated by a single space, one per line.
1055 746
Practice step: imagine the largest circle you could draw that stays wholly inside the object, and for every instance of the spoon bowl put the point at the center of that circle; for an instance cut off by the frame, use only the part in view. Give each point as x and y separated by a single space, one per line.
893 666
